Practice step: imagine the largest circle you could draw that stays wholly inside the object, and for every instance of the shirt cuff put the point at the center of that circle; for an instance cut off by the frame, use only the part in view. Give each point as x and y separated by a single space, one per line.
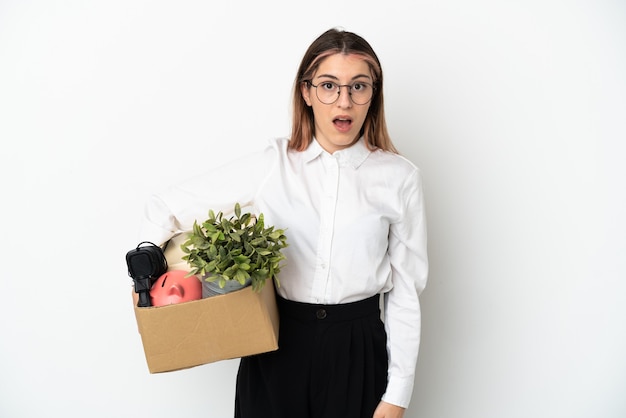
399 391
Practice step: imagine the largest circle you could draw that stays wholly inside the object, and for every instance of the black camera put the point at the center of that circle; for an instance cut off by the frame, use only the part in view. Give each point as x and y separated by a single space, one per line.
146 264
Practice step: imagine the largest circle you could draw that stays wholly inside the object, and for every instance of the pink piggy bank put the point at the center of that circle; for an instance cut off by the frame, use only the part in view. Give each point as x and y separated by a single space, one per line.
173 287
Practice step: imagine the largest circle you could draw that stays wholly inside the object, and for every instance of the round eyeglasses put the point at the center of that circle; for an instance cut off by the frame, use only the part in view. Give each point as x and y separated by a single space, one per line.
328 91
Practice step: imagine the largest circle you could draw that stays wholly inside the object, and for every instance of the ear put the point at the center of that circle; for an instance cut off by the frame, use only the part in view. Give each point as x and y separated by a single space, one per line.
306 92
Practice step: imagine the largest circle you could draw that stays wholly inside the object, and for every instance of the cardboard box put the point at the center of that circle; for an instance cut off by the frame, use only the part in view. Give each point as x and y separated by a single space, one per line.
217 328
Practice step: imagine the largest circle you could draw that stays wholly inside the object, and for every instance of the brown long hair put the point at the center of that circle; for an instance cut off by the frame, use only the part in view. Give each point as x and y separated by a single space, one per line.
335 41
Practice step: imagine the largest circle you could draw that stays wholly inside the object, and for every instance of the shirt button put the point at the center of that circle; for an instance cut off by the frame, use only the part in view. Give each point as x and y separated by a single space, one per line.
320 314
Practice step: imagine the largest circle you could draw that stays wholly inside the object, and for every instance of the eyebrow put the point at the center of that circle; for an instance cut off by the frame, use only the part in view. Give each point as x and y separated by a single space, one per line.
337 78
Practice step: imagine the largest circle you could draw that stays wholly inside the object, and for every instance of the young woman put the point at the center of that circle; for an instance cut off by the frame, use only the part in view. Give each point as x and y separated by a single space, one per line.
353 211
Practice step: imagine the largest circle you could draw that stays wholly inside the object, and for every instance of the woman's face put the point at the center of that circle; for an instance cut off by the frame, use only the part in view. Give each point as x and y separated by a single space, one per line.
337 125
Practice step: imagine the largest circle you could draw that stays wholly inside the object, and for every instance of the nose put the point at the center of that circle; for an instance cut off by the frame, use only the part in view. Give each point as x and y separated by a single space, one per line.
344 99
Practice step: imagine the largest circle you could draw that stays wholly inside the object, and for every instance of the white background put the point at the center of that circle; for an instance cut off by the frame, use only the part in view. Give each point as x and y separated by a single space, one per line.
515 111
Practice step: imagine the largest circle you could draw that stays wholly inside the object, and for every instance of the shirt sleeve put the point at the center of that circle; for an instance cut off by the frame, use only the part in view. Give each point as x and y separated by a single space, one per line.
409 264
175 209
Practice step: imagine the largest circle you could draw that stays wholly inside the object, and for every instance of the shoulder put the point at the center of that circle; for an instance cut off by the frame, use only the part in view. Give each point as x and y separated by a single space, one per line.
397 172
278 143
279 150
271 148
396 162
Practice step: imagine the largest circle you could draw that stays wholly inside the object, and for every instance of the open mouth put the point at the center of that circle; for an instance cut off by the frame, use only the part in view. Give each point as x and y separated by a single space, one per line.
343 124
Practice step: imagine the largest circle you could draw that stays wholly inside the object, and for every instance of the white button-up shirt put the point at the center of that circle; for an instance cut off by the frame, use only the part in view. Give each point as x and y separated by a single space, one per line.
354 222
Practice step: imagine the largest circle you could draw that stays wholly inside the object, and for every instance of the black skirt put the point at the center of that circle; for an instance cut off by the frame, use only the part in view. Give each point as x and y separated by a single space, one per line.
331 362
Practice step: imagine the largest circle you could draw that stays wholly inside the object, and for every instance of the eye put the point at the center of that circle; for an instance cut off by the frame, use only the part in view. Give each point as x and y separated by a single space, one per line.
329 86
361 87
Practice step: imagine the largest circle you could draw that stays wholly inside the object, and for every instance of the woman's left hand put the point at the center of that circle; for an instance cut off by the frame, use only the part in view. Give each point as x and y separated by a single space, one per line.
387 410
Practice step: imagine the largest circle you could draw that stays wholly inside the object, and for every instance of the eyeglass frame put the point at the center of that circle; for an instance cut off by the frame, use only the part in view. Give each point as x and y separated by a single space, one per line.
349 86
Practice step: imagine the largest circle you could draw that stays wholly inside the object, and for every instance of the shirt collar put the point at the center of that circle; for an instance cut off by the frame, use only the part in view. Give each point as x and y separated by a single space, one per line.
352 156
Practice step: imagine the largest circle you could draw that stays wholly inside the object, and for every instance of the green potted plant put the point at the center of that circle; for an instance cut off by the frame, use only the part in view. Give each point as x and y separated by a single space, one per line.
232 253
